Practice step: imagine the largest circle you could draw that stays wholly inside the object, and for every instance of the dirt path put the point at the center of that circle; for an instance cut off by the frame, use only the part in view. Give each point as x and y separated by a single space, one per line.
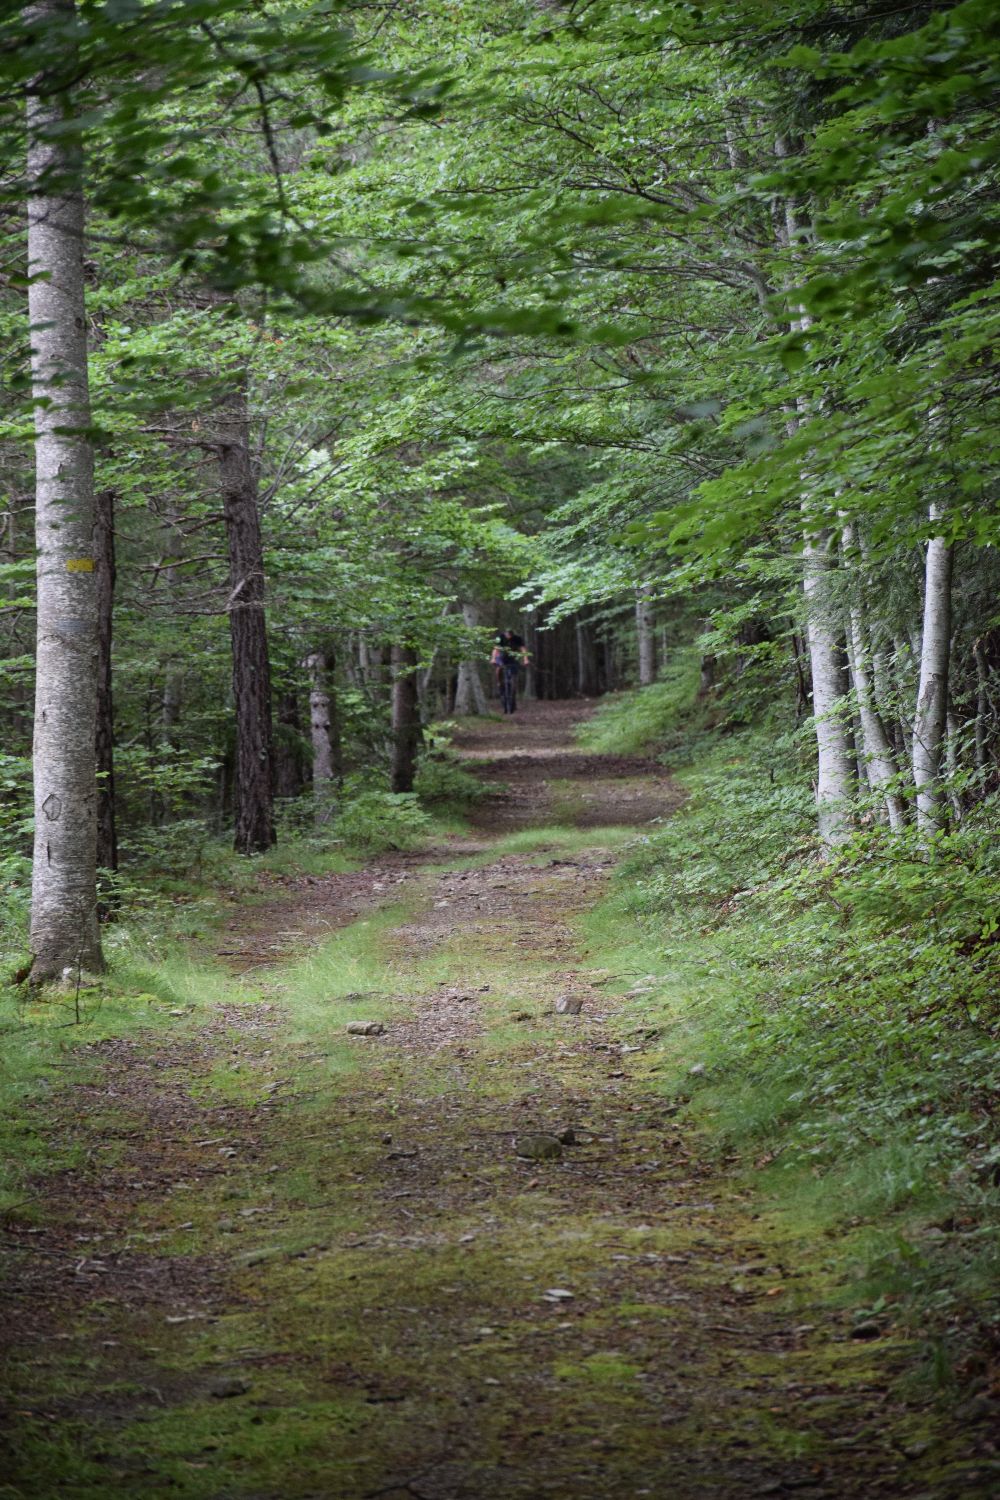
292 1262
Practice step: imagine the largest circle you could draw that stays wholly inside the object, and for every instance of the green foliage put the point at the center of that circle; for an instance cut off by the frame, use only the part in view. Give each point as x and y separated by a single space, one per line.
374 821
440 780
844 1012
661 717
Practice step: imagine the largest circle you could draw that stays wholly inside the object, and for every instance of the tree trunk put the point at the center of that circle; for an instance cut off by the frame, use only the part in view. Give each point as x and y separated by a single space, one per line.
835 773
932 693
324 727
406 731
531 643
248 631
586 662
64 931
104 570
470 695
834 778
646 632
877 756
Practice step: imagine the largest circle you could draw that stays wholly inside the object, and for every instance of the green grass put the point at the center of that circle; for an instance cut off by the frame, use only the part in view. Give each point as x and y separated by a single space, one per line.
43 1042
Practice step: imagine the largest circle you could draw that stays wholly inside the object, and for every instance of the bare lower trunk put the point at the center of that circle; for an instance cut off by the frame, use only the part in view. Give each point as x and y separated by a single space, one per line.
530 676
323 725
104 571
877 757
586 660
248 631
932 693
834 772
64 931
646 632
406 731
470 695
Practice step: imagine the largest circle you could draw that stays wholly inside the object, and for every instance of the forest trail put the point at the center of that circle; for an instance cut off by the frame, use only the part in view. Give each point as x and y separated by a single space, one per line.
289 1262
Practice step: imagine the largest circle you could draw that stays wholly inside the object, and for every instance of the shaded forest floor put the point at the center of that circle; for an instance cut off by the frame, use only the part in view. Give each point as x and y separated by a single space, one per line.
288 1260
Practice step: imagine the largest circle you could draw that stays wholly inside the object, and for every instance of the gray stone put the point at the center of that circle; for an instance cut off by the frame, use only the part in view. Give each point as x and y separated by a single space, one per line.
365 1028
538 1147
697 1070
568 1005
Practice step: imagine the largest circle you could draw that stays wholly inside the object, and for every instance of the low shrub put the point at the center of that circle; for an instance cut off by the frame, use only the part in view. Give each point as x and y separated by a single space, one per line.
373 821
441 780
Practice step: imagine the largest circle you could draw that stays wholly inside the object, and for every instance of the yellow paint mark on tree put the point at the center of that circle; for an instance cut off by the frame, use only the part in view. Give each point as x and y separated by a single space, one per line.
80 565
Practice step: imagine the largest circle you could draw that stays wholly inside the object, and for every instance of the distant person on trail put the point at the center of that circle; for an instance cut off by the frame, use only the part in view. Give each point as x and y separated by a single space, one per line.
507 658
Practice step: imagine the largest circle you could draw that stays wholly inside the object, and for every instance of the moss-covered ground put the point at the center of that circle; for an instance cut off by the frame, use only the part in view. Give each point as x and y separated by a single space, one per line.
252 1254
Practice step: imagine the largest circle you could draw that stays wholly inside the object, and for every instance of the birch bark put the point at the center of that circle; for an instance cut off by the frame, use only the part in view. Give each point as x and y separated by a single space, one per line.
878 759
834 772
64 930
834 769
930 720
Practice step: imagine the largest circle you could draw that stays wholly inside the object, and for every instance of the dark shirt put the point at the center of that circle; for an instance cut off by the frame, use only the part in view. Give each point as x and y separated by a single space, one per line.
511 645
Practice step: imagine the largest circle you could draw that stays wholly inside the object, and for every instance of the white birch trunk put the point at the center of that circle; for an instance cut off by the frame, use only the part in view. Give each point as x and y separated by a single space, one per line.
470 695
930 720
646 632
834 772
834 768
879 762
64 931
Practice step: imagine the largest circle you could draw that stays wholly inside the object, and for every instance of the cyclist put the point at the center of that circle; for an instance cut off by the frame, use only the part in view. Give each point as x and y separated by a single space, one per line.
508 656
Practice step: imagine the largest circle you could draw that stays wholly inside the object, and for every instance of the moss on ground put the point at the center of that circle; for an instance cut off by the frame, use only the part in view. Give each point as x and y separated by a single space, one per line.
337 1277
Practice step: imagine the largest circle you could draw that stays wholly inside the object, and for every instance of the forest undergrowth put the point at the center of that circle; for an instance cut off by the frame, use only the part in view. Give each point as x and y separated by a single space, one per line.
834 1021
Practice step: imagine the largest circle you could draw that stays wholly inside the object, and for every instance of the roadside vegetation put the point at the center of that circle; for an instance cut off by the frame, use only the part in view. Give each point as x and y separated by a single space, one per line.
833 1022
